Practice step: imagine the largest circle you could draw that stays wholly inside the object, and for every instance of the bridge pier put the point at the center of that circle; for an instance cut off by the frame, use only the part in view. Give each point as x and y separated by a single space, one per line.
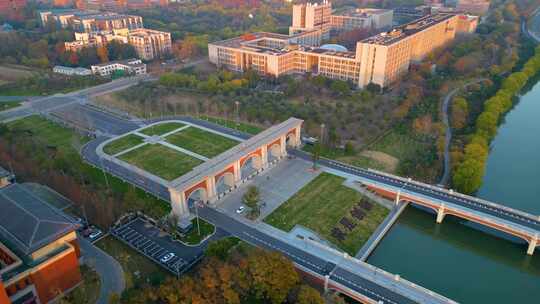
440 214
532 245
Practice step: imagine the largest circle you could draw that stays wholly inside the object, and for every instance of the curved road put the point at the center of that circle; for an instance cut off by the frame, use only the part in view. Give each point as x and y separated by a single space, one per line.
448 133
110 271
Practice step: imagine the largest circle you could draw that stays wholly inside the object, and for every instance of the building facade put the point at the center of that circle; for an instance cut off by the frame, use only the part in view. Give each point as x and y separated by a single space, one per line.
90 21
150 44
39 261
362 18
130 66
381 59
71 71
312 16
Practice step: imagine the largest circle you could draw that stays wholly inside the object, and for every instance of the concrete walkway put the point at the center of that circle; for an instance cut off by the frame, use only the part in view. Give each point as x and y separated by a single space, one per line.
110 271
379 233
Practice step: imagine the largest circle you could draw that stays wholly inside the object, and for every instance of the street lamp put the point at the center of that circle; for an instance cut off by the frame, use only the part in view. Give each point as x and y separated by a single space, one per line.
237 104
322 132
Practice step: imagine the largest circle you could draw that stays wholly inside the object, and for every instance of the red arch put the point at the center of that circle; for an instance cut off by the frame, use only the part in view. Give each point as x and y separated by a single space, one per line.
245 158
201 184
229 169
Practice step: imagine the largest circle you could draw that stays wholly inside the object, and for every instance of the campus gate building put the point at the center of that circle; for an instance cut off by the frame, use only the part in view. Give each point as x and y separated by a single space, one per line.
212 179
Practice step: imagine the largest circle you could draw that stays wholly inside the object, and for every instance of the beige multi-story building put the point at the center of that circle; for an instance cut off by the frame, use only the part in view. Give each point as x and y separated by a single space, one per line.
150 44
96 39
380 59
90 21
467 23
365 18
318 16
312 16
387 56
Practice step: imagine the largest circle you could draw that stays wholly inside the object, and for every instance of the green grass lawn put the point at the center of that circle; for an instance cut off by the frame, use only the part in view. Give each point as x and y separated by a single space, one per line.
9 105
161 161
320 205
193 237
137 268
161 129
88 291
122 144
55 146
242 126
201 142
401 146
339 154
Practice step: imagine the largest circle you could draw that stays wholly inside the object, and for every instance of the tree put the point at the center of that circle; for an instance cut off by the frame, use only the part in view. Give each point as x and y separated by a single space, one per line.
103 54
251 197
308 295
272 275
459 113
349 148
468 176
316 154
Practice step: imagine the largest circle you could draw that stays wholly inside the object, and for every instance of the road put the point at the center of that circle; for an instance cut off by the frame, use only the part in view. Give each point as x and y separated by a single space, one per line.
110 271
57 101
448 133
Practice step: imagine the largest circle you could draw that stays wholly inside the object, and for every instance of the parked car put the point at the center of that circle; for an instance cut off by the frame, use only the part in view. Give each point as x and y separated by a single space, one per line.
167 257
240 209
96 233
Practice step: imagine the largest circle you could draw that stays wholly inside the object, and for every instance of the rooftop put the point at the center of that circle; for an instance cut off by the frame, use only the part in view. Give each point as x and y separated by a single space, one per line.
363 12
406 30
27 222
131 62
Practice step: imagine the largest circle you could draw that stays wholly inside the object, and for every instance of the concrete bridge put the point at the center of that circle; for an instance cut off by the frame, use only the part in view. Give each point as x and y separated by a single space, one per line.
212 179
444 202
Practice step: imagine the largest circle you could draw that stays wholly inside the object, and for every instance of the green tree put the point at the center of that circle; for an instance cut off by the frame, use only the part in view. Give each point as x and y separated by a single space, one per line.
308 295
468 176
272 275
316 154
251 197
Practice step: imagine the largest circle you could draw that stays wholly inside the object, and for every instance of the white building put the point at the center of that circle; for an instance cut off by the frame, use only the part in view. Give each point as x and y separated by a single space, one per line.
131 66
71 71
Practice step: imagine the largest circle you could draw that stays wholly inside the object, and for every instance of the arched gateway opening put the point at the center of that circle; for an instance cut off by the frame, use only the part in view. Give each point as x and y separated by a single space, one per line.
274 153
251 165
198 194
224 183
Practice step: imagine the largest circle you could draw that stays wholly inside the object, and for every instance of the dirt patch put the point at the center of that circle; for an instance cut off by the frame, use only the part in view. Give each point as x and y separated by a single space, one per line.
387 160
12 73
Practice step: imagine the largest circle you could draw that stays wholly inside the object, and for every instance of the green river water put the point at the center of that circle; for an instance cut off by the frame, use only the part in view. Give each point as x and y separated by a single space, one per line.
465 264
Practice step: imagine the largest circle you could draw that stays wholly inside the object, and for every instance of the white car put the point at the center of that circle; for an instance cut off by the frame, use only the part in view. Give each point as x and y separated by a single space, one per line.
167 257
240 209
95 234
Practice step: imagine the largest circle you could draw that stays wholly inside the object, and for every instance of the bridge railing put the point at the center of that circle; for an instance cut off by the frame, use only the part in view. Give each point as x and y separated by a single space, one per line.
461 195
382 273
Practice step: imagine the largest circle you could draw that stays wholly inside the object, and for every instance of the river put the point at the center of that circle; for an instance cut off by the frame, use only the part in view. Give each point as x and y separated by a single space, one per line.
465 264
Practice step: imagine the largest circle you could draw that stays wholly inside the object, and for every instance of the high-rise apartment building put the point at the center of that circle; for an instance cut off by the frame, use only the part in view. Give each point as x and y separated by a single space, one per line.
380 59
39 250
150 44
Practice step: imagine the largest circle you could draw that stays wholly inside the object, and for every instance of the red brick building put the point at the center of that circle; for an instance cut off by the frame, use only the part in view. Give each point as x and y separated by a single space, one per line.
39 250
12 9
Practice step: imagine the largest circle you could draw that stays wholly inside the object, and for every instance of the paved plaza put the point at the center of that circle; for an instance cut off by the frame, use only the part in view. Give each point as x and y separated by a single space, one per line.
276 185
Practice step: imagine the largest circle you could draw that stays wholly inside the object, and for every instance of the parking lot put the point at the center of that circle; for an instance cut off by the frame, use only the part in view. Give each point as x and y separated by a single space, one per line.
148 240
